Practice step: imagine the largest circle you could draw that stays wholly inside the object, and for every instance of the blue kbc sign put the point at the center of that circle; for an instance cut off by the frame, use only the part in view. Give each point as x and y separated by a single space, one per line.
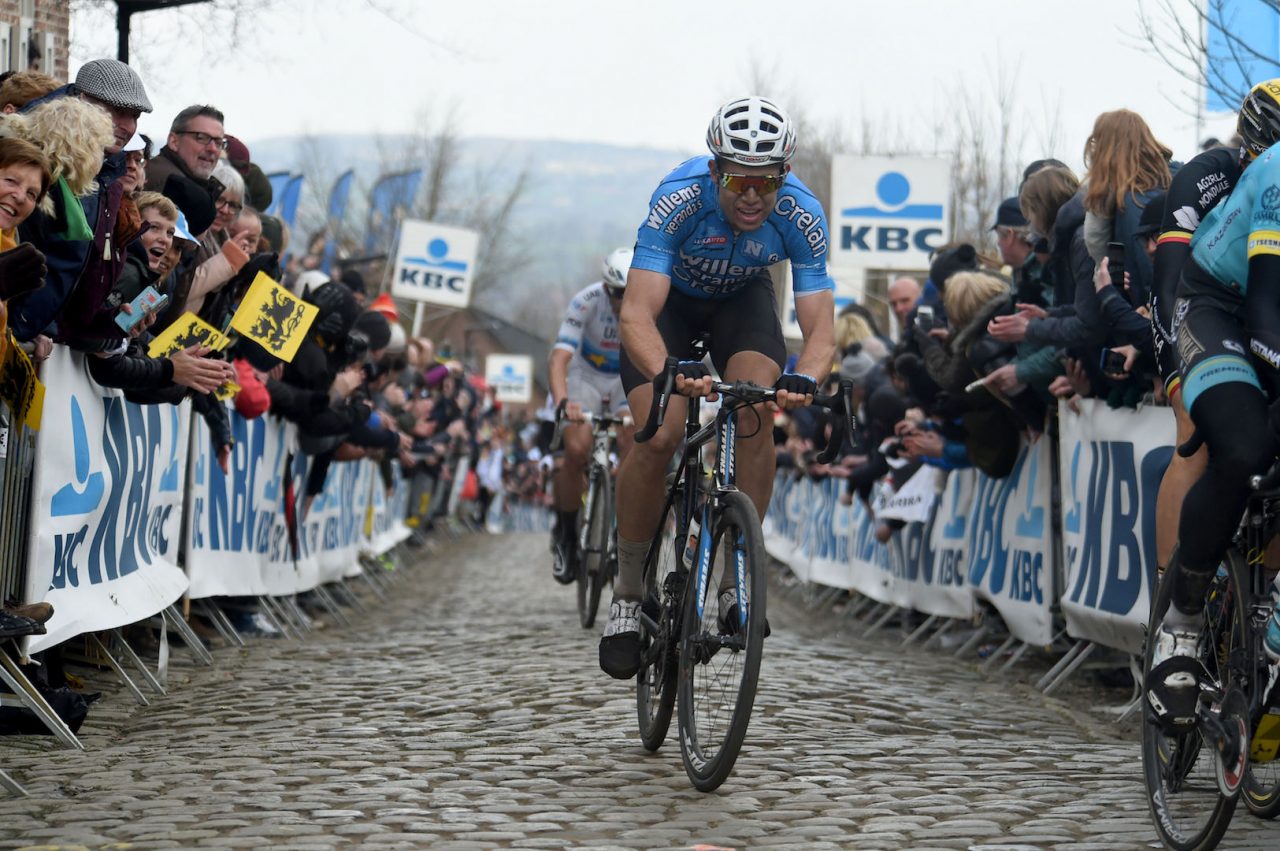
899 225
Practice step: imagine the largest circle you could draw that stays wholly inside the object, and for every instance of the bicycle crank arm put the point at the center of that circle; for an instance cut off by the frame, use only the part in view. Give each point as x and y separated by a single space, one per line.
1215 732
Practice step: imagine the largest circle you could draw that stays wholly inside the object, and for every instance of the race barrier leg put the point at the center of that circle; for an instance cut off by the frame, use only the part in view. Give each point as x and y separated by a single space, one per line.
999 652
25 694
342 589
119 670
943 630
920 630
13 786
221 622
882 620
979 634
1015 657
331 605
1135 700
374 584
141 666
268 608
188 635
1066 666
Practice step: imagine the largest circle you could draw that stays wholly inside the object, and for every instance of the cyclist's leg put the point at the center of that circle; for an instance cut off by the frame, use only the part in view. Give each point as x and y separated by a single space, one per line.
1178 479
621 407
640 492
570 479
747 345
1225 401
756 458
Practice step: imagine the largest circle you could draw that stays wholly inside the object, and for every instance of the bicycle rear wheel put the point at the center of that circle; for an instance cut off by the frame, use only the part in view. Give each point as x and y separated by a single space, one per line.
1186 806
593 550
656 682
1261 786
720 663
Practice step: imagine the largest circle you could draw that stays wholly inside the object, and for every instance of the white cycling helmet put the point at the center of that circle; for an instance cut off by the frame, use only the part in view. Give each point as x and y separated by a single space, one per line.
752 131
615 268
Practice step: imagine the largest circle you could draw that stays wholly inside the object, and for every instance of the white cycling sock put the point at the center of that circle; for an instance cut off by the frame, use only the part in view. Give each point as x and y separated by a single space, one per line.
629 584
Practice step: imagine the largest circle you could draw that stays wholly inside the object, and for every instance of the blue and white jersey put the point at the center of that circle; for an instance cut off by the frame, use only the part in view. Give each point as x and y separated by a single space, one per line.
1243 225
687 238
590 330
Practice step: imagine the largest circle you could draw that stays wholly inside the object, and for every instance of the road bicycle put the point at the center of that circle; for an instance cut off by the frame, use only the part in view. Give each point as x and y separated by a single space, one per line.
708 541
1196 777
598 529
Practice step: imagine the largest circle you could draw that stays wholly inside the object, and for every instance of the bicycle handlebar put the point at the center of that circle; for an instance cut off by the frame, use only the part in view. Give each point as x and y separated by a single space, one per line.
840 403
593 420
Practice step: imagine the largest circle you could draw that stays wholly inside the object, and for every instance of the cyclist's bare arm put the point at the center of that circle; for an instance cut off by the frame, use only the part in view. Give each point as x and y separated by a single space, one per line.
646 293
558 379
815 315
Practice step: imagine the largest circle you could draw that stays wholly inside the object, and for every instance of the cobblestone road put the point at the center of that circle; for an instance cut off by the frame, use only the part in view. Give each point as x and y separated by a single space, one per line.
469 713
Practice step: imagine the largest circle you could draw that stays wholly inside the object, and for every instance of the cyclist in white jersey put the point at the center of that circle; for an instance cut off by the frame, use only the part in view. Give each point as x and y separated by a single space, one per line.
584 372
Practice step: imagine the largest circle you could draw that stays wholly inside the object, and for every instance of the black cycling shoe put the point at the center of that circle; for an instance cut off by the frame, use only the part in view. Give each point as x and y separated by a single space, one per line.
1173 693
620 644
564 562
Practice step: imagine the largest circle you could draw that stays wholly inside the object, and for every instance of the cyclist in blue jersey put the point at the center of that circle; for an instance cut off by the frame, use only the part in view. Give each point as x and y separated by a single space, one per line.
701 265
1226 327
583 372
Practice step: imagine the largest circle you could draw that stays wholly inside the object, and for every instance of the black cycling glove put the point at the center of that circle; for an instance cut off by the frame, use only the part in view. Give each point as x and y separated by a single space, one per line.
692 370
796 382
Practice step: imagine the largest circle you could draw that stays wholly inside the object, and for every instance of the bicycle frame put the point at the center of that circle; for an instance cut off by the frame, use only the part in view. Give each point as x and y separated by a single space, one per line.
599 473
1256 531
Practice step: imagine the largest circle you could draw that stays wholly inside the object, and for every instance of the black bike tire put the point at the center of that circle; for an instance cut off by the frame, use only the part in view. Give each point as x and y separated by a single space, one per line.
581 572
653 711
598 536
1218 820
1262 801
736 511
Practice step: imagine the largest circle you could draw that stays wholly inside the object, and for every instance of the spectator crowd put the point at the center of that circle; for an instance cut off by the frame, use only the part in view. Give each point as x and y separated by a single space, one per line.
108 238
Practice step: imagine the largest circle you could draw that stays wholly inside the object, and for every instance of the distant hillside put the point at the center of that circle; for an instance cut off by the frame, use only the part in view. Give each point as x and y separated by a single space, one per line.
583 200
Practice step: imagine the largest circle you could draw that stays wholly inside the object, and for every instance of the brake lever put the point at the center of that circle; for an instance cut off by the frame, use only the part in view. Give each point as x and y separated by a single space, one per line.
658 410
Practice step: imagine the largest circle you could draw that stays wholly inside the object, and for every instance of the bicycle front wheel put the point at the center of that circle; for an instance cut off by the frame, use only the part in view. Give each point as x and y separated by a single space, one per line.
720 655
593 549
1189 812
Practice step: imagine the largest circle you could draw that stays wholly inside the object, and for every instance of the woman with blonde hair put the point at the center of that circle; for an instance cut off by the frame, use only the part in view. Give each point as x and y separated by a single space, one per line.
1127 167
852 328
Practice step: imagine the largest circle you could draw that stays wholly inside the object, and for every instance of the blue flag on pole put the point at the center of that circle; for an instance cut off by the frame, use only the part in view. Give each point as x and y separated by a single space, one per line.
1243 49
391 198
288 210
337 212
279 180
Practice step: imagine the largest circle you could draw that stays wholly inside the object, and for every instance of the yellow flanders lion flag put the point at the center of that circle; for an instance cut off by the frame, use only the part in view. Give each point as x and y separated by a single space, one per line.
20 388
274 318
187 330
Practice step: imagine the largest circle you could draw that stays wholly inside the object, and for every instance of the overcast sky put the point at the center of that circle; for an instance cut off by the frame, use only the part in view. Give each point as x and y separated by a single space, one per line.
651 74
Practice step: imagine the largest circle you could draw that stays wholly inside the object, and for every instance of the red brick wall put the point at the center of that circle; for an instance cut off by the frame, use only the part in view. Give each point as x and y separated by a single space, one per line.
52 17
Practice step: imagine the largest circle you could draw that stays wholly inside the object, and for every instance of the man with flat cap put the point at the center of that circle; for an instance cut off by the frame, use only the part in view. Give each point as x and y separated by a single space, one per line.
1013 238
117 90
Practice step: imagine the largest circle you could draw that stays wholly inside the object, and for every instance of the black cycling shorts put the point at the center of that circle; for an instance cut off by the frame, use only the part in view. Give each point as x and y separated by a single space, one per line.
1208 326
747 321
